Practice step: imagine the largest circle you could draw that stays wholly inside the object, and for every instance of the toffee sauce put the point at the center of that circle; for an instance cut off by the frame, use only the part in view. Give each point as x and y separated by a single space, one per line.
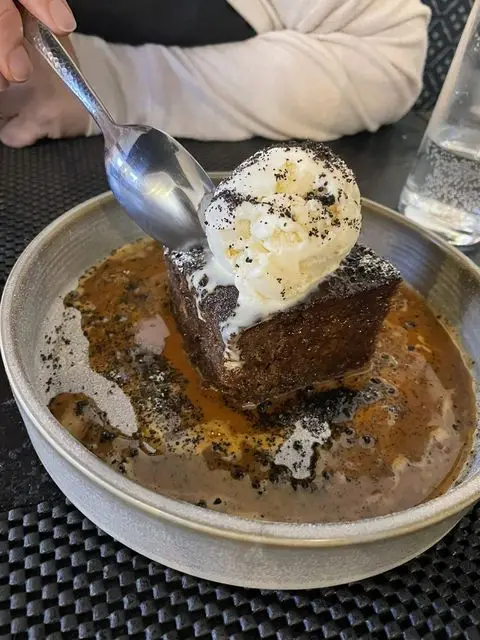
399 433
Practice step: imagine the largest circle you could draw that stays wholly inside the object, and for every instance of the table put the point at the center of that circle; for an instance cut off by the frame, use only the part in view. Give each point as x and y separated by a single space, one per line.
60 576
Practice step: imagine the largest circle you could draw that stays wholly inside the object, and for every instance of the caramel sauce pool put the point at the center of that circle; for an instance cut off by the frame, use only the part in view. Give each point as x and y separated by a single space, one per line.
396 435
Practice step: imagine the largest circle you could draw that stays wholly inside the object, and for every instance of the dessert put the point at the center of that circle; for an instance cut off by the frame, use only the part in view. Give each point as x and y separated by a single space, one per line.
282 298
329 335
118 363
398 436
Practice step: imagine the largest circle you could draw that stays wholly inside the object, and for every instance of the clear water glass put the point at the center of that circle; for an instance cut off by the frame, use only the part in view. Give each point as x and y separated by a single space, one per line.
442 191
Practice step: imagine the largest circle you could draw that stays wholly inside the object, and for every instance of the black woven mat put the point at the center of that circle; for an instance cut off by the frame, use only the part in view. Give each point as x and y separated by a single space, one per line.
60 577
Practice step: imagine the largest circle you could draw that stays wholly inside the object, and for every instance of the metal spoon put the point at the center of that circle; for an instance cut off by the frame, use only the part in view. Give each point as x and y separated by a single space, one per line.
158 183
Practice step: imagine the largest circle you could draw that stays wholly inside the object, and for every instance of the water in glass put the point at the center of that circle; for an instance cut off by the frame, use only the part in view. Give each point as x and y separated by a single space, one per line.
442 191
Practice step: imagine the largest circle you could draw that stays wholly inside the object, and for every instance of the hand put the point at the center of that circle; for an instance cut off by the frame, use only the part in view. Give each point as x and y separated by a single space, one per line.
41 107
15 63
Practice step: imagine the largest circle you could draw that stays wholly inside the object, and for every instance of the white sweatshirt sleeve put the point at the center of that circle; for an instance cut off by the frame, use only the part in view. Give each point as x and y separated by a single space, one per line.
317 69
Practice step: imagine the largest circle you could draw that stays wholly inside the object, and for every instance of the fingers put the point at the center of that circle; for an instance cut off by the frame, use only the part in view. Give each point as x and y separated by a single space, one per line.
15 64
56 14
21 131
4 84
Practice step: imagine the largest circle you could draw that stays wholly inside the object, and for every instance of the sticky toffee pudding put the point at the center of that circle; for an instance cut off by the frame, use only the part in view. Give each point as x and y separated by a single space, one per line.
381 441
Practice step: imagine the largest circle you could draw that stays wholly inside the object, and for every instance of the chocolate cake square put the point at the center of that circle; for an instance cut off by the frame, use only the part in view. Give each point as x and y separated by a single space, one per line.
327 335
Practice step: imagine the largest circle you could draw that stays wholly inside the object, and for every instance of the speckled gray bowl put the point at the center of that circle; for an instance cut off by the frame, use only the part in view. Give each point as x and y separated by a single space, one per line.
195 540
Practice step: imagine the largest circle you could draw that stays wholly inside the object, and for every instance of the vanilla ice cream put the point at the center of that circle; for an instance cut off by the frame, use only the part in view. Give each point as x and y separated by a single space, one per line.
282 222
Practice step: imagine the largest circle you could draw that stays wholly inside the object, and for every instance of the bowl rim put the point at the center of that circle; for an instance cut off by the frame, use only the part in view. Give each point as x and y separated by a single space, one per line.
181 513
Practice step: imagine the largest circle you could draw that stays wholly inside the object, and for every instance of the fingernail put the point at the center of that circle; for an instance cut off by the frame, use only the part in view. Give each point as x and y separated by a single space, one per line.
62 16
19 64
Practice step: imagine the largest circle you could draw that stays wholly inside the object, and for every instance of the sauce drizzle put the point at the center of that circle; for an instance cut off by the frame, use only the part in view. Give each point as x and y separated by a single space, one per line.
376 443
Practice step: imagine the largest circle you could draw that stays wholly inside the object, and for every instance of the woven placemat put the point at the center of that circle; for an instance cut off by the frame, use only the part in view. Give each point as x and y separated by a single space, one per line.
59 574
60 577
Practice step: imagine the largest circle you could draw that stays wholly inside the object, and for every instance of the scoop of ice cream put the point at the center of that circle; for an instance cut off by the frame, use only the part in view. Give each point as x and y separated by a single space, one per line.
284 220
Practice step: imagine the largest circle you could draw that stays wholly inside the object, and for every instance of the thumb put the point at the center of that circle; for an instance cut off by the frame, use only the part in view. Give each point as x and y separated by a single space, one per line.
21 131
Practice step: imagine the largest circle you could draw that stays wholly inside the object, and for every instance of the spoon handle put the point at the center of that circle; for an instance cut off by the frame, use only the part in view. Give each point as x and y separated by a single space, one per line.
55 54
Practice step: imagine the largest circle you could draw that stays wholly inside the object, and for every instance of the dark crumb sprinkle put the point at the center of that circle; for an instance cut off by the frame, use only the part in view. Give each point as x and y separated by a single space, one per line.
80 407
107 436
319 152
217 501
202 503
237 473
327 200
281 175
411 347
231 199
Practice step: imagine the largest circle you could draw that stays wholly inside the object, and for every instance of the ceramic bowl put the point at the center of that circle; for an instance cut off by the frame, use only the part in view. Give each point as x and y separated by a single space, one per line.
195 540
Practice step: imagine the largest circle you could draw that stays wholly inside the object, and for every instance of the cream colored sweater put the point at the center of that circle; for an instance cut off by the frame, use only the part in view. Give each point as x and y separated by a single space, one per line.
316 69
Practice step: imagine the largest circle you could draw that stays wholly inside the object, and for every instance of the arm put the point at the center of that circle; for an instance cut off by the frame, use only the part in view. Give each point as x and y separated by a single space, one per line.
324 70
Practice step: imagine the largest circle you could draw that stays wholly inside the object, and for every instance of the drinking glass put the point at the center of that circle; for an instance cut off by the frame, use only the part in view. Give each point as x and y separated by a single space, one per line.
442 191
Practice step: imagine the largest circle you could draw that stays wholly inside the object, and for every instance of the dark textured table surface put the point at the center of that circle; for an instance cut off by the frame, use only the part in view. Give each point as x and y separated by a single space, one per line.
380 162
61 577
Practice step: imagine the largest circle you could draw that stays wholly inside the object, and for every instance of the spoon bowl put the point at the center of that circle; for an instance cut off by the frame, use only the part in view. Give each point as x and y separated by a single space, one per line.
158 183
